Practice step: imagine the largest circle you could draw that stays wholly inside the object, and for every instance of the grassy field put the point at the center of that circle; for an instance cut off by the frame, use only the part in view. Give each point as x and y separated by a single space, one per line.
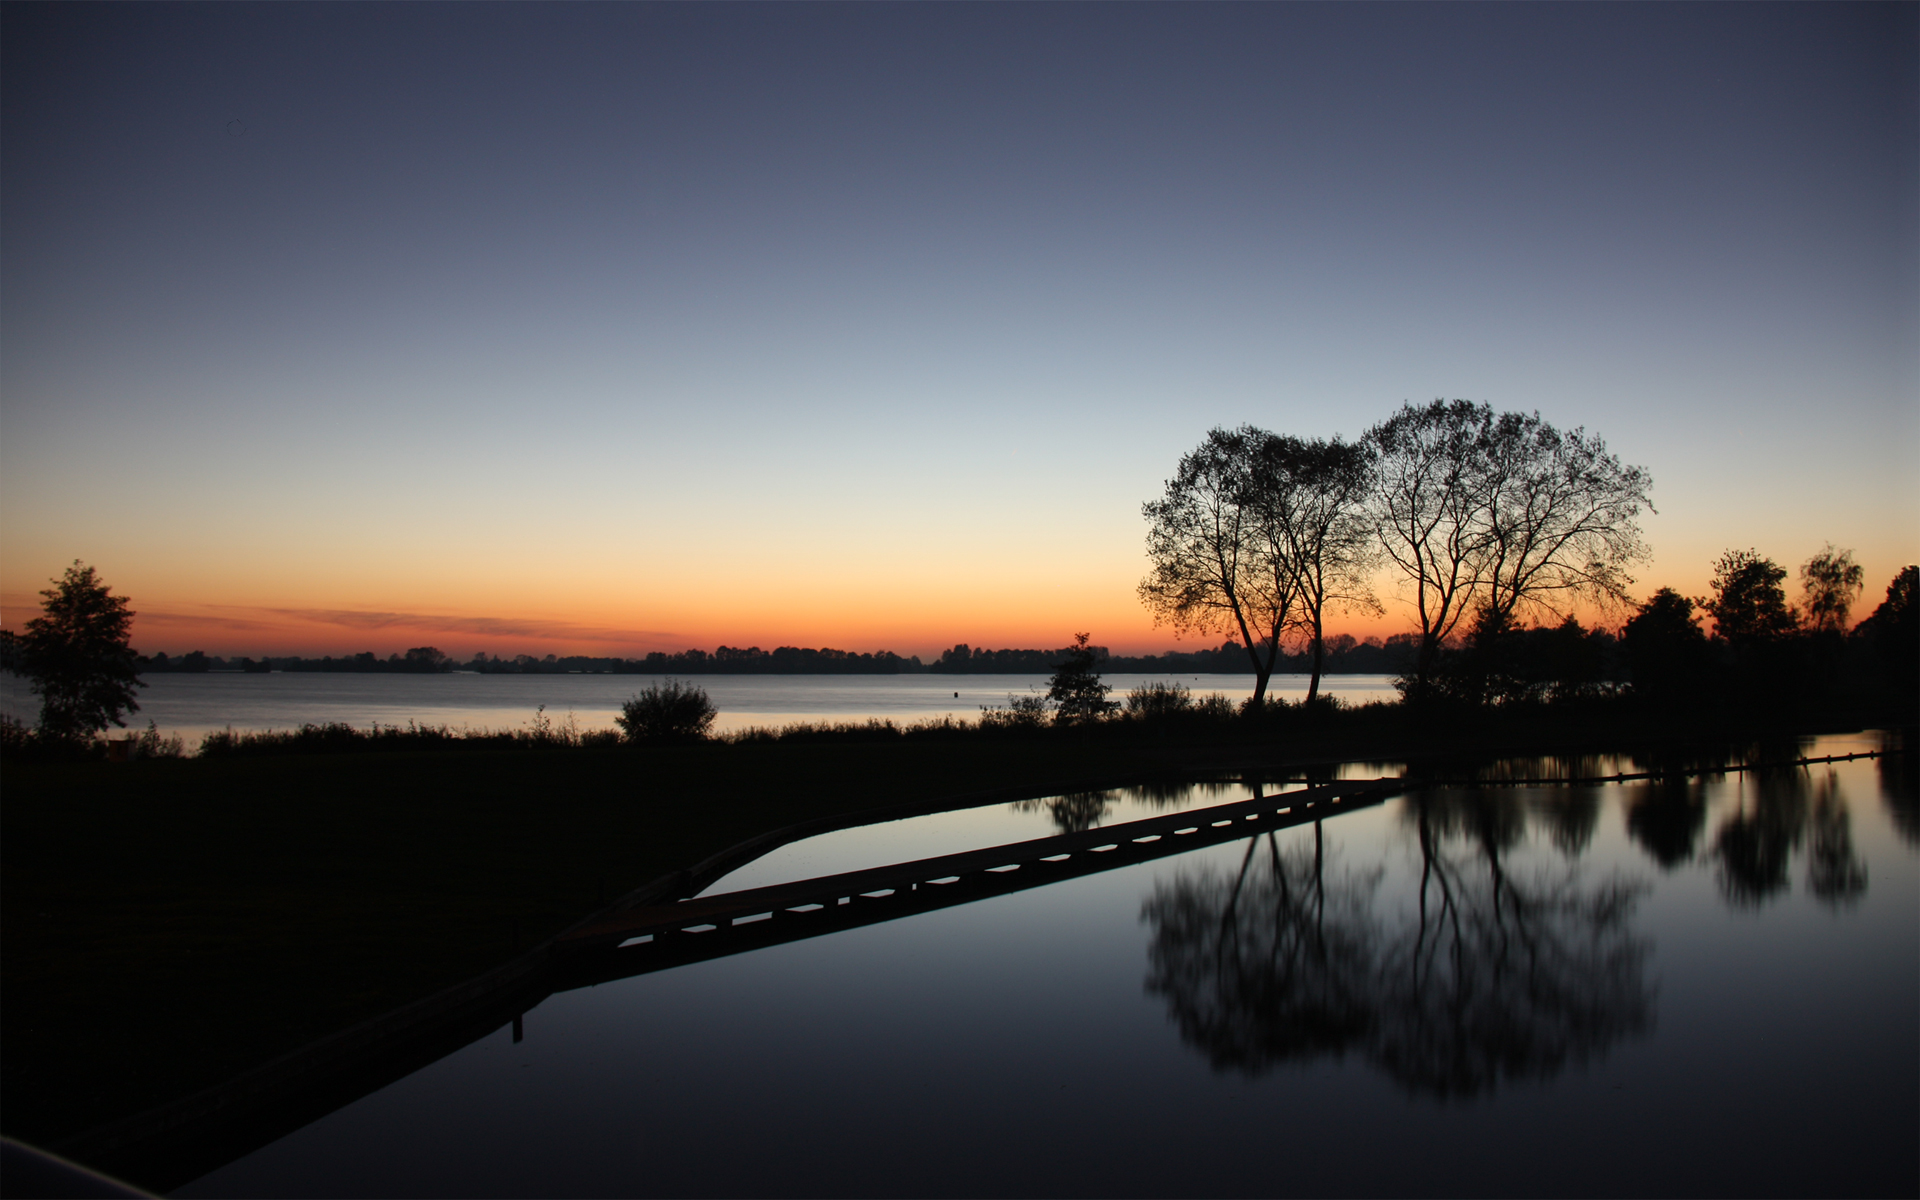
169 924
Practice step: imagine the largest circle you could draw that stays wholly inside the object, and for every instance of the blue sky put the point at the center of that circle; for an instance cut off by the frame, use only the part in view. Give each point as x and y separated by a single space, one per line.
874 325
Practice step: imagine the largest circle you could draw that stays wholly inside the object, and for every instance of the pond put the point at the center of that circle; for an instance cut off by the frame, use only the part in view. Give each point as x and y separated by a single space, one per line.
1709 985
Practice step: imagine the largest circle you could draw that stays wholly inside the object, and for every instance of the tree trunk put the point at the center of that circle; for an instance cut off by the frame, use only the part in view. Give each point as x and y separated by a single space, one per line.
1319 662
1262 671
1423 665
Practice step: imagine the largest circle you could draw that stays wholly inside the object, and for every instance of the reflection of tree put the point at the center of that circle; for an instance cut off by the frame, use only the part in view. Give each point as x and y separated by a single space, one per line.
1900 787
1666 817
1077 812
1263 942
1753 846
1494 977
1074 812
1835 874
1570 814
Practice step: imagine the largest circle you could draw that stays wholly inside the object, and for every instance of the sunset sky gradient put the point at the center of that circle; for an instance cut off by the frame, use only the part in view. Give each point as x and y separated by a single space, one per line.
617 328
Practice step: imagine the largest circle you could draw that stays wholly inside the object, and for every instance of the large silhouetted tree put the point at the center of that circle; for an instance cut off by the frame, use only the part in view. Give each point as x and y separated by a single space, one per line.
1311 496
1431 494
77 655
1210 567
1564 520
1502 515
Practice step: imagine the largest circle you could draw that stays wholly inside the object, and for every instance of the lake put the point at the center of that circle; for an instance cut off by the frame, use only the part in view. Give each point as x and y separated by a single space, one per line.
1704 986
192 706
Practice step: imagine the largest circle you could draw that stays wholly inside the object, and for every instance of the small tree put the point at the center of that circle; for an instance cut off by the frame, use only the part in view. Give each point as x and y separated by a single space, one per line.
1831 581
1665 648
1076 687
77 655
1748 606
667 712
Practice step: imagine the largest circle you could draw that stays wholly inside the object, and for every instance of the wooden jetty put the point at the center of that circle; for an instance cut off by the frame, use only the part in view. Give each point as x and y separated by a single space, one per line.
652 938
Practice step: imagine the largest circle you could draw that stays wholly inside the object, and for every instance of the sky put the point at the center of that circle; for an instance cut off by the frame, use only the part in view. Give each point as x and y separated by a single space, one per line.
615 328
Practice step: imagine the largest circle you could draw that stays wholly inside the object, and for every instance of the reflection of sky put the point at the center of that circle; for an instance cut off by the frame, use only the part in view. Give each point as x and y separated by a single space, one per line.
192 705
875 326
1009 1046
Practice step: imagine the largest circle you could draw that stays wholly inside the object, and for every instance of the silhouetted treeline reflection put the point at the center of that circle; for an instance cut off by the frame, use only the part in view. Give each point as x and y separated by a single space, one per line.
1076 812
1778 813
1496 975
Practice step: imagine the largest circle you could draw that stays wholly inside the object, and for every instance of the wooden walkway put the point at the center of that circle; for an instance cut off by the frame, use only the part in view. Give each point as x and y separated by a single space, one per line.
652 938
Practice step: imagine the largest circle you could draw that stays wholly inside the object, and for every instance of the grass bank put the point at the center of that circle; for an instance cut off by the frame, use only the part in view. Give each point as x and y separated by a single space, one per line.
170 923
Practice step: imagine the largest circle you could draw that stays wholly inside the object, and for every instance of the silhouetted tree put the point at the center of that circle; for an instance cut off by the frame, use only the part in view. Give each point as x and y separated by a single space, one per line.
1748 606
77 656
1431 494
1830 582
1665 648
1075 689
1503 514
1892 633
1210 568
1312 497
426 659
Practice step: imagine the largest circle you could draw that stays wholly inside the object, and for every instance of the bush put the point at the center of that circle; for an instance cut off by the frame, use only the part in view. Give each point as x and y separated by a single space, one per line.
667 712
150 744
1216 707
1158 700
1031 711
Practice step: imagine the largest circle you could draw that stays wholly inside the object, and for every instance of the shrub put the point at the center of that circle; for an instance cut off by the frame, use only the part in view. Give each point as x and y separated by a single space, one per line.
1157 700
667 712
1030 711
1216 707
150 744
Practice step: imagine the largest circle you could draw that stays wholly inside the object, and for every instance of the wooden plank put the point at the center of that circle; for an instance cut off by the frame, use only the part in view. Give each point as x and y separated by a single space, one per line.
777 898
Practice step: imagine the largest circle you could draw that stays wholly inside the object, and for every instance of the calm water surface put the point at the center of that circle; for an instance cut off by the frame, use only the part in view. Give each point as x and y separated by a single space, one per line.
193 705
1706 987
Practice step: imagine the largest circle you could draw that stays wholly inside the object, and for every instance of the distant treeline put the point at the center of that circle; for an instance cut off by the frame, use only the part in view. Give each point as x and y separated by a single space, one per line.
1345 654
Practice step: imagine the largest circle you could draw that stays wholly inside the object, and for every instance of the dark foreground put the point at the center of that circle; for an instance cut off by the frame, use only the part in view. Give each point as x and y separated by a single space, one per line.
171 924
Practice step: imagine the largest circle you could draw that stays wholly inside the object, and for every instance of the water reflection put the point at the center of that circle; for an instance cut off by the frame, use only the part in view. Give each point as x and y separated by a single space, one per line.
1433 965
1666 818
1900 788
1077 812
1497 975
1775 813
